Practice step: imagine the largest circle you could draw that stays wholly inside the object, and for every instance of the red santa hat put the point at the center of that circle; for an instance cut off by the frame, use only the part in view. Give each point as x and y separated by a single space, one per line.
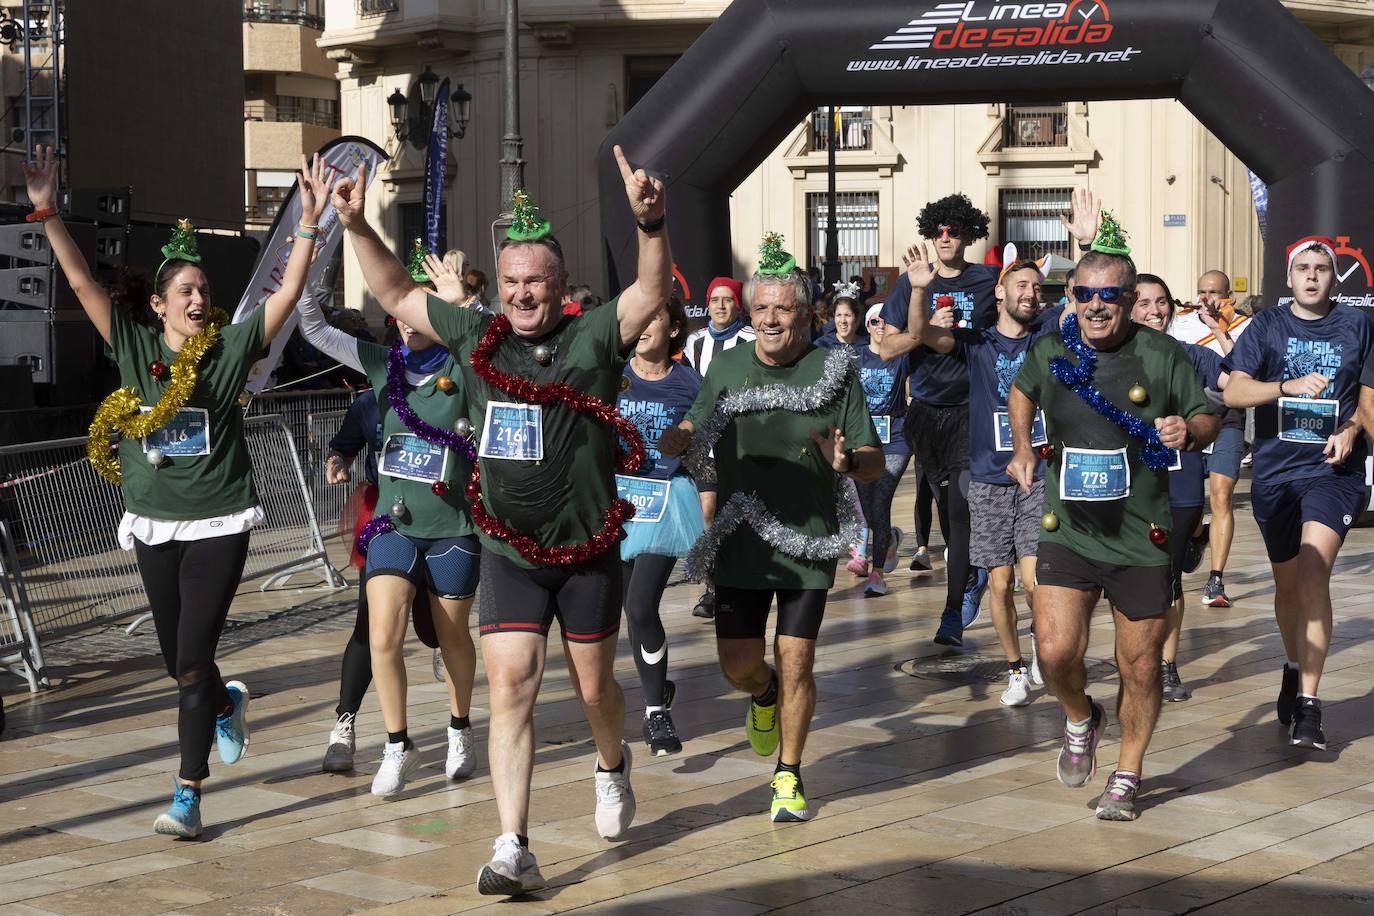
1310 242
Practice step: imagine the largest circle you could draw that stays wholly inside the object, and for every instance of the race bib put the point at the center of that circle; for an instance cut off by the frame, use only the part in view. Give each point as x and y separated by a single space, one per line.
186 436
1092 475
1001 430
648 496
514 432
1308 420
884 427
412 458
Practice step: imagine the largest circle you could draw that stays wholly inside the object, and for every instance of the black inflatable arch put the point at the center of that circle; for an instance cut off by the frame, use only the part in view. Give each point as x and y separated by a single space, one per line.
1247 69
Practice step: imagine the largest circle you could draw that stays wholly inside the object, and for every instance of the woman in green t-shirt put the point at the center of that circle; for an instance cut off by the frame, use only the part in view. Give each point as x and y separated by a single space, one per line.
422 535
187 478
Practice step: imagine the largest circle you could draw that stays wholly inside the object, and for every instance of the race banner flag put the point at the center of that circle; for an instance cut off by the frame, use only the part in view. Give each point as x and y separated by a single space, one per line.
436 160
342 156
1260 191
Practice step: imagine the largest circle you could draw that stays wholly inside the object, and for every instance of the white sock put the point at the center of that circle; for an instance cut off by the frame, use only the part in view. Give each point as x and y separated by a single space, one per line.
1307 696
650 710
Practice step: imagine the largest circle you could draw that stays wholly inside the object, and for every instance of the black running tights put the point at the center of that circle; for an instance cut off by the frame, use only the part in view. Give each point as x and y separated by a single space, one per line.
953 500
190 586
646 576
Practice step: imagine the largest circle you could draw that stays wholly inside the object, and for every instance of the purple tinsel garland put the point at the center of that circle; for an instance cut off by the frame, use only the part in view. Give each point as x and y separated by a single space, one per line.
379 525
396 397
1156 455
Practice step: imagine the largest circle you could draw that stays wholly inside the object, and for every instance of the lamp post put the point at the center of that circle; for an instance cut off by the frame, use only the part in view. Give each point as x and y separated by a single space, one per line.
416 129
512 144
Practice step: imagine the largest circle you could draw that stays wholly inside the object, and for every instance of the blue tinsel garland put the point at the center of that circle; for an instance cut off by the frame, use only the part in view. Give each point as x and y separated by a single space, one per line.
1156 455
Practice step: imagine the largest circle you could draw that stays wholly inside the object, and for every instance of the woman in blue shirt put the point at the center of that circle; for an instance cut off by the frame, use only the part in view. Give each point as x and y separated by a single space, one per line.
884 382
656 393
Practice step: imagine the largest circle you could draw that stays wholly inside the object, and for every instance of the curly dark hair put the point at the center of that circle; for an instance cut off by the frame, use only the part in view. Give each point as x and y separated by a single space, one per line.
957 212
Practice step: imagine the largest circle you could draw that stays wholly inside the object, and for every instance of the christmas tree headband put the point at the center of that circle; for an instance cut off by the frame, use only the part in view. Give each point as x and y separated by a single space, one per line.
416 267
527 225
1111 238
181 247
773 260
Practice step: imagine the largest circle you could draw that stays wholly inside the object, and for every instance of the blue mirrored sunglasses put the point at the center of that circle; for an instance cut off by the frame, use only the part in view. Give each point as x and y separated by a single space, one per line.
1107 293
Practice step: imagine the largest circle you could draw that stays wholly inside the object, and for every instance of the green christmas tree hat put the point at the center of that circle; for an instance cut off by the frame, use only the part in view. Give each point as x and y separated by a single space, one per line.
528 225
773 260
416 267
1111 238
181 247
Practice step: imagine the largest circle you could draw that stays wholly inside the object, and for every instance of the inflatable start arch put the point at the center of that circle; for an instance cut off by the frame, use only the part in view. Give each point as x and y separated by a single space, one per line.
1247 69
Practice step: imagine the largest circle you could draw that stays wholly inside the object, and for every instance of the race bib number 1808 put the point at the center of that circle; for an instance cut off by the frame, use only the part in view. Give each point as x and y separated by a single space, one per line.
1308 420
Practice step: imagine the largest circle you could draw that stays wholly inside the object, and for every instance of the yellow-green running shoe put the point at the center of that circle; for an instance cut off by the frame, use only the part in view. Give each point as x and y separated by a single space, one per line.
789 804
761 725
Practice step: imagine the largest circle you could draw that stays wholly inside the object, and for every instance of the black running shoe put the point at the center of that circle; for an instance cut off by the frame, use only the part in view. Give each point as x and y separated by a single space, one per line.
1307 725
660 735
1174 689
1288 695
1192 556
706 606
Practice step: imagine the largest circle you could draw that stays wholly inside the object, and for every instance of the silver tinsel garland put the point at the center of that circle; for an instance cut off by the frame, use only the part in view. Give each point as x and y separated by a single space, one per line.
748 507
828 387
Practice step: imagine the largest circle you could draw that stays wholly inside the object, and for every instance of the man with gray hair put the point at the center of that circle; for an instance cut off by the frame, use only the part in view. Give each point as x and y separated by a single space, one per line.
1118 399
785 419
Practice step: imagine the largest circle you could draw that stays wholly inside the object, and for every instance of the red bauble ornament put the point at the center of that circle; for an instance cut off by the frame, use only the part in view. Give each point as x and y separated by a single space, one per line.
944 302
1046 451
157 368
1158 535
627 462
439 487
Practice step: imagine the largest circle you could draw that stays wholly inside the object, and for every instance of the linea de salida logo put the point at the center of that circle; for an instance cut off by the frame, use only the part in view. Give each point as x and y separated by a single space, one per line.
972 25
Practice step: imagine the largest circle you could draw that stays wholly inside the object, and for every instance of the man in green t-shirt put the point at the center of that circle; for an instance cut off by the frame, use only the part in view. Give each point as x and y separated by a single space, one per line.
1106 510
547 489
788 462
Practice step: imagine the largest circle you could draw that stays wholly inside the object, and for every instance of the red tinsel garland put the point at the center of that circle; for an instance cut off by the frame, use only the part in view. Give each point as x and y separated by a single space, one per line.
627 462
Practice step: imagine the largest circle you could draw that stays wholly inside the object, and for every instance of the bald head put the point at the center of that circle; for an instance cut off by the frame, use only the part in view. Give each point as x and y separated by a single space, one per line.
1212 287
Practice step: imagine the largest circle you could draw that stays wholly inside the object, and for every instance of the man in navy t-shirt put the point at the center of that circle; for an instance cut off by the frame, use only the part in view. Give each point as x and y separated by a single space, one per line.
937 423
1005 519
1303 365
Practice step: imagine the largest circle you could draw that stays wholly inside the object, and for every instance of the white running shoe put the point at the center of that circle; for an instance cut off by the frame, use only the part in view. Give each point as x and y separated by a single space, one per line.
462 755
338 757
890 563
398 762
511 871
1018 689
436 664
1035 677
615 799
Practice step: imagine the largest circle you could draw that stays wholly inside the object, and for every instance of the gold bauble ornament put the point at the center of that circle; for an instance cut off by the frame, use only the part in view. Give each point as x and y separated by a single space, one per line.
1049 521
1138 394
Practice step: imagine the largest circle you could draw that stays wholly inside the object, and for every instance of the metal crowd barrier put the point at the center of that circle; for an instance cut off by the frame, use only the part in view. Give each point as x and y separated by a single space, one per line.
64 569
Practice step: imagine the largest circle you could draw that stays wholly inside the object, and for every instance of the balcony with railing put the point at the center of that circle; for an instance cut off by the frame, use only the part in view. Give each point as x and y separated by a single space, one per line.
370 8
292 110
855 129
1031 128
306 13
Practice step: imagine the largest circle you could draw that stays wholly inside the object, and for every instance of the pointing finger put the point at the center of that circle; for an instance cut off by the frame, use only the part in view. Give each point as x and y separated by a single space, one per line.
625 171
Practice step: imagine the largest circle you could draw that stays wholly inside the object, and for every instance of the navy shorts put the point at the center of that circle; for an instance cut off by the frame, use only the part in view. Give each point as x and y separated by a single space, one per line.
1227 451
1281 509
451 566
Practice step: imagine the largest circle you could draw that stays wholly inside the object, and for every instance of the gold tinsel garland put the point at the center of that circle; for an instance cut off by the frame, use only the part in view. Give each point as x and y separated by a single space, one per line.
120 412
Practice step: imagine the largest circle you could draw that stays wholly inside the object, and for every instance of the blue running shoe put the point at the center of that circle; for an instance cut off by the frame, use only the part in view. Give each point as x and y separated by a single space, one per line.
973 595
183 818
950 632
231 729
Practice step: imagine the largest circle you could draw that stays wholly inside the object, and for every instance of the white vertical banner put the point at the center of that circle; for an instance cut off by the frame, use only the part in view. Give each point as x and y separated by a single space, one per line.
342 157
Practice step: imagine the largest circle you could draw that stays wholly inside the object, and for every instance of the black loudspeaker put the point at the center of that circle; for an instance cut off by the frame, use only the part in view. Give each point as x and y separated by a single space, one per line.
108 206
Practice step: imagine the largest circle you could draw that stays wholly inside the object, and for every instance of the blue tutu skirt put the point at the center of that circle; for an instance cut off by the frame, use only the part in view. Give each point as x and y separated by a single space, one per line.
676 532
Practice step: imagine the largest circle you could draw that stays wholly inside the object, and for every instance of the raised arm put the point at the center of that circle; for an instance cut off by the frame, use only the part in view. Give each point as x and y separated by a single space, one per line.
312 186
323 336
385 276
921 273
654 284
41 178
